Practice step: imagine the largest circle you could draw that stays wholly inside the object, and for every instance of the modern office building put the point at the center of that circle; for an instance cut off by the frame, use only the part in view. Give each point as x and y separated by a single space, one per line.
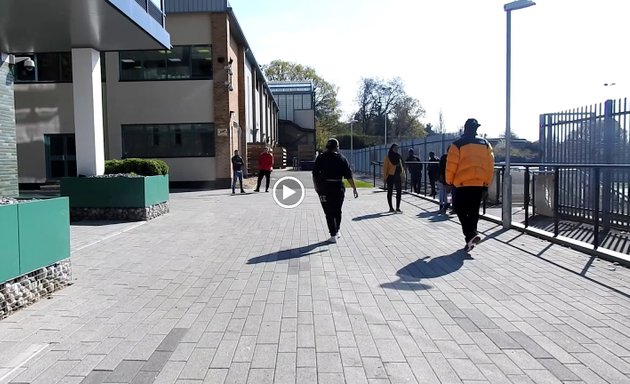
191 105
296 103
80 28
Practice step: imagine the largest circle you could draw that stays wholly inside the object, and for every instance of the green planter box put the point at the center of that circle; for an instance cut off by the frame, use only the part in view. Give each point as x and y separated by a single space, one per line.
33 234
115 192
9 249
44 230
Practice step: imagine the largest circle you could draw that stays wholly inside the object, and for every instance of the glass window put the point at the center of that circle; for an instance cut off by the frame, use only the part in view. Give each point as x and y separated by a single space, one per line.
22 74
307 101
168 140
201 62
180 63
66 66
48 67
154 65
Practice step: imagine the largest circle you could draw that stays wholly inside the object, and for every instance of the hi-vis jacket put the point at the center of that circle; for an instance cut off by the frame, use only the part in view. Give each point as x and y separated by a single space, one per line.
470 162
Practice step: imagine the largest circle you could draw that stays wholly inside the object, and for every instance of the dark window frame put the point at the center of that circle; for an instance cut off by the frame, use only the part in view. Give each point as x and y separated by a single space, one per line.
187 53
62 77
173 138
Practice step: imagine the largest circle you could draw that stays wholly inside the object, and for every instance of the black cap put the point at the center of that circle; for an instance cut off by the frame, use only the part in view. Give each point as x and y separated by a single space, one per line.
332 144
471 124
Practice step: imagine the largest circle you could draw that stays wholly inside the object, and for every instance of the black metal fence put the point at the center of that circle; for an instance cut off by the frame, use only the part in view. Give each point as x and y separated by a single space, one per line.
541 196
571 142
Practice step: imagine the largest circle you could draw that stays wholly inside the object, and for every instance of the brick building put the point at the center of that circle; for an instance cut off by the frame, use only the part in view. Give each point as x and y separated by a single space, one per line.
190 105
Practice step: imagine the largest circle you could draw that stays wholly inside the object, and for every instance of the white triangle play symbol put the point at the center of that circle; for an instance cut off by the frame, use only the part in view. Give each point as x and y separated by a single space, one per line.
287 192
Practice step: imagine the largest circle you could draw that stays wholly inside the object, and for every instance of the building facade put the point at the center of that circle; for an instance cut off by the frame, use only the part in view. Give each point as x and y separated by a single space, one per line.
191 105
296 103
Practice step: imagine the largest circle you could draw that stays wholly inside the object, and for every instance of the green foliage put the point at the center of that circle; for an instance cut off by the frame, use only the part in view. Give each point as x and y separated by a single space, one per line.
358 184
384 102
327 112
143 167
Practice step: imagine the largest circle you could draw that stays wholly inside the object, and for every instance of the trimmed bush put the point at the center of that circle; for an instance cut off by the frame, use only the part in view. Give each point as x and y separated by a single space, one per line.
143 167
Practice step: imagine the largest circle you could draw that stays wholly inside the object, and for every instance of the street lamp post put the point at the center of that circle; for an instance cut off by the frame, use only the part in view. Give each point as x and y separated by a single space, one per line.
507 175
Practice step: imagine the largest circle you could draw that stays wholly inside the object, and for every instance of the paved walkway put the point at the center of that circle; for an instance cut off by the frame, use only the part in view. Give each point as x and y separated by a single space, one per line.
233 289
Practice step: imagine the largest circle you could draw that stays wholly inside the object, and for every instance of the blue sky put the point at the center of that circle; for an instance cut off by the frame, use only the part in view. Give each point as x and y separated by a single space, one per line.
451 54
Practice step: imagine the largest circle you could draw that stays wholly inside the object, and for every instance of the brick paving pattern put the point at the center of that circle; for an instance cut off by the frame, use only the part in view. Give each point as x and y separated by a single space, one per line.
234 289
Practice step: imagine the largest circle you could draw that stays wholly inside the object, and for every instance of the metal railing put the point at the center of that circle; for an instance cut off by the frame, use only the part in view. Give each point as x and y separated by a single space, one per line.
598 198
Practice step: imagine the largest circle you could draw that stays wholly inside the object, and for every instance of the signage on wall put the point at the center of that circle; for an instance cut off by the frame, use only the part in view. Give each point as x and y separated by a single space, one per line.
222 132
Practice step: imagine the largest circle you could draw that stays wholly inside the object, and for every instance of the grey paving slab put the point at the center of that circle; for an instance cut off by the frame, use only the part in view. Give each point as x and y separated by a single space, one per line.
237 290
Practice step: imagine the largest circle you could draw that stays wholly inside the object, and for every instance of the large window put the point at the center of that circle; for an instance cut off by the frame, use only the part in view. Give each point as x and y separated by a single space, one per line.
287 104
168 140
180 63
49 68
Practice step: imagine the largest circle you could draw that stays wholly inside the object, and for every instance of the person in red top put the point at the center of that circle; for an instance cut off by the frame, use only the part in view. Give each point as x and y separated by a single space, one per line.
265 165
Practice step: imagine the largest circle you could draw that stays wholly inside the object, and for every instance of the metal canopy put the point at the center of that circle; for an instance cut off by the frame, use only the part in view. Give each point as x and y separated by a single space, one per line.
59 25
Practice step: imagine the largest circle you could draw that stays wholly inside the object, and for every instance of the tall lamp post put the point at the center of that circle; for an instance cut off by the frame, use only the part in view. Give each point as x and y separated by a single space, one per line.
352 141
507 175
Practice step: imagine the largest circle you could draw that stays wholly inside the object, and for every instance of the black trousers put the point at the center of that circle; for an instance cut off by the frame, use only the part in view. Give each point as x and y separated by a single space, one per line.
394 180
467 208
267 175
332 201
415 181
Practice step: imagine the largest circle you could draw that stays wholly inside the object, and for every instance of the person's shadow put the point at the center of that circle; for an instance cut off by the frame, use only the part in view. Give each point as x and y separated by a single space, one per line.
287 254
410 276
372 216
433 216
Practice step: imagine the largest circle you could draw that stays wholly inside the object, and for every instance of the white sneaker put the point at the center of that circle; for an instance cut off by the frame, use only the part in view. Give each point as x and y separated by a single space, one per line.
338 235
471 244
332 239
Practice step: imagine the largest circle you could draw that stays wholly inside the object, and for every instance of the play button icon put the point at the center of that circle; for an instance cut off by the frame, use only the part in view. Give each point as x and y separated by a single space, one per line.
288 192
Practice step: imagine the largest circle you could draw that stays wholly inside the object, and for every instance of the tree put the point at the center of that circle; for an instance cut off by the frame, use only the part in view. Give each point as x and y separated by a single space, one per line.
327 112
384 102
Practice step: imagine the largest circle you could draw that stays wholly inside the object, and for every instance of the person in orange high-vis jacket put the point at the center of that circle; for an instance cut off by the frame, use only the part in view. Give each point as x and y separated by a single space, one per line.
393 173
470 168
265 166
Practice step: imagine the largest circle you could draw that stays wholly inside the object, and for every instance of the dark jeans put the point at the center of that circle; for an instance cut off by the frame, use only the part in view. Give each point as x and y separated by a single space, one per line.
415 181
267 175
467 208
332 201
391 181
238 175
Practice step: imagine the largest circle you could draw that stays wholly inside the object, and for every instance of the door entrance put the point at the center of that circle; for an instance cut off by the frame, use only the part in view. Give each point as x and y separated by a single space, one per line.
61 158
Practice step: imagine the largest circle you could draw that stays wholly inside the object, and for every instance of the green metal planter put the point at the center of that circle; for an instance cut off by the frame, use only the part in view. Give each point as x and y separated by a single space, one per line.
9 251
33 234
115 192
116 198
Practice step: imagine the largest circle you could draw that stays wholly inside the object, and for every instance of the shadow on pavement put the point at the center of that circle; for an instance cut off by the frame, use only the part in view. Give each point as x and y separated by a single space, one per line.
434 216
372 216
410 276
288 254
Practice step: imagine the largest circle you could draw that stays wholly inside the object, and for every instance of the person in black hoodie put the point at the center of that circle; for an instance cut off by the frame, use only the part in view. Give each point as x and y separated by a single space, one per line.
329 170
434 171
237 166
415 170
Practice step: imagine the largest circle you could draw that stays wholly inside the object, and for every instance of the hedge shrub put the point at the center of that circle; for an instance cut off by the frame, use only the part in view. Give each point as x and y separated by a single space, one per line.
143 167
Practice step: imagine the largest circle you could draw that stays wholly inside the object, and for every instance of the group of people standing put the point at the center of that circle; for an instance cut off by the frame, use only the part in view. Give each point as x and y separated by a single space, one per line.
265 166
466 169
